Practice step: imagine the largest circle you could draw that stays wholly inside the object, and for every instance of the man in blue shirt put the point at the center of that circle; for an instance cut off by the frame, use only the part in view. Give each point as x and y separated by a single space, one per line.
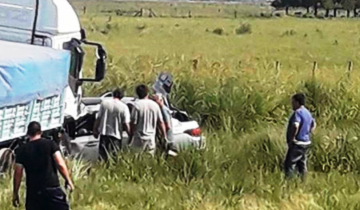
301 124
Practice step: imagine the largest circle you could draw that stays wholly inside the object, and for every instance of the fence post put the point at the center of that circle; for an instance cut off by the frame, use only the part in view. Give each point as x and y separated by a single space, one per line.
194 64
314 69
277 67
84 10
350 66
235 14
190 14
151 13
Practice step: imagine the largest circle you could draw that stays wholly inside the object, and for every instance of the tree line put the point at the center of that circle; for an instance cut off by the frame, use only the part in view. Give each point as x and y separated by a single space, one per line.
330 6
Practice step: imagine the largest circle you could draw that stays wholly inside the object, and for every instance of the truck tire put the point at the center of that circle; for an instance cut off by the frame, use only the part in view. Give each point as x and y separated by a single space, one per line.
7 158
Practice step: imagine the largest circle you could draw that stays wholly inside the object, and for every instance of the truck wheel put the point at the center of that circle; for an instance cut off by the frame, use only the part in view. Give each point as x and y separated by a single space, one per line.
7 158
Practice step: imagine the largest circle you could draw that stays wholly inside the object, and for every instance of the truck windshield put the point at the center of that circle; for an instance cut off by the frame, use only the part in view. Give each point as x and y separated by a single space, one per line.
16 22
20 14
17 13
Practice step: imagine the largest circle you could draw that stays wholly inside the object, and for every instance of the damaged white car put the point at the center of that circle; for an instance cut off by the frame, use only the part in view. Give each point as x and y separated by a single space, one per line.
186 132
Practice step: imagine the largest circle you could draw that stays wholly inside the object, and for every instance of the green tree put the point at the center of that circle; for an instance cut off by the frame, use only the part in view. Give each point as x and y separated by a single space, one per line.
317 4
307 4
337 6
327 5
349 5
357 5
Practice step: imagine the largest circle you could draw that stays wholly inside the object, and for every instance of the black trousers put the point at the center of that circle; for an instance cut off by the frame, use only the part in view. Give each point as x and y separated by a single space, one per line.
296 160
108 146
47 199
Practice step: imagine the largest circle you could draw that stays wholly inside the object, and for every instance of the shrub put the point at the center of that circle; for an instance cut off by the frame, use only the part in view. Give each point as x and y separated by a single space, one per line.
243 29
218 31
265 15
289 33
308 15
141 27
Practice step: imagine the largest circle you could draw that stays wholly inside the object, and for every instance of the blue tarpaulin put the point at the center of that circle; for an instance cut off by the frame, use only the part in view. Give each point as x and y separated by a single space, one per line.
29 72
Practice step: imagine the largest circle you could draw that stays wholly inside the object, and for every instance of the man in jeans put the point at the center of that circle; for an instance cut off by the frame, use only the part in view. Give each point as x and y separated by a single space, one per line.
301 124
145 117
112 117
41 158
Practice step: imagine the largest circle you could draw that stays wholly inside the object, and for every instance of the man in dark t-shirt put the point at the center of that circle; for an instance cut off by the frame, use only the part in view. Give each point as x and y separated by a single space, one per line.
41 158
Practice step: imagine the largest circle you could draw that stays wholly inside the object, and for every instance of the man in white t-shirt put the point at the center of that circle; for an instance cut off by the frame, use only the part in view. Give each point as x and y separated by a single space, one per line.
145 118
112 117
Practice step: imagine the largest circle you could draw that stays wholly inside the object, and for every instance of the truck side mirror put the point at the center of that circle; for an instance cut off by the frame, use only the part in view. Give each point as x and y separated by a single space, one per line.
83 34
100 64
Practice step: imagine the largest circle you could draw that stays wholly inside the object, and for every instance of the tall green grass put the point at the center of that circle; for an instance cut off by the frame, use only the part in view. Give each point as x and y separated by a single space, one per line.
241 172
230 84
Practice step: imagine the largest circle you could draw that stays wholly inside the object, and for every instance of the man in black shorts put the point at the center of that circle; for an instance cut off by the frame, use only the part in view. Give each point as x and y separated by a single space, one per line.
41 158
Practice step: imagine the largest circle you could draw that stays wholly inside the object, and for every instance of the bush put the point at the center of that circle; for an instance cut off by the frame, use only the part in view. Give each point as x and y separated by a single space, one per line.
289 33
141 27
278 15
218 31
265 15
308 15
243 29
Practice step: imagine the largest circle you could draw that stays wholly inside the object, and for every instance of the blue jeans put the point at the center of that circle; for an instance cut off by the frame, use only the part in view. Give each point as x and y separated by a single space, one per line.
48 199
296 160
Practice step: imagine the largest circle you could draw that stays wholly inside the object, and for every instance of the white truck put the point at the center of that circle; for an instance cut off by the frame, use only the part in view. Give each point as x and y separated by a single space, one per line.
50 24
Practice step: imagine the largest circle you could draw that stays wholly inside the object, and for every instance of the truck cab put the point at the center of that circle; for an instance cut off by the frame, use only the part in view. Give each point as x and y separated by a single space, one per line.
53 24
50 22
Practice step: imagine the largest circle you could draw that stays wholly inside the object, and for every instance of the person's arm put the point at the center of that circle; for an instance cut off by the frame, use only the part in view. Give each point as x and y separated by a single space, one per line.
133 121
126 120
18 174
162 123
313 126
294 127
167 118
163 130
63 169
97 121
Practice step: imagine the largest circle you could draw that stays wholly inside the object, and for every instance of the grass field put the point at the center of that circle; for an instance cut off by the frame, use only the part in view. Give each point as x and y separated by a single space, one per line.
242 101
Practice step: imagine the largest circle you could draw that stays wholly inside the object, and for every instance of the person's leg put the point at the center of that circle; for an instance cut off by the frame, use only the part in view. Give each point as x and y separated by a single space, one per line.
288 167
104 148
56 199
293 155
150 147
302 163
33 201
102 151
137 145
114 146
